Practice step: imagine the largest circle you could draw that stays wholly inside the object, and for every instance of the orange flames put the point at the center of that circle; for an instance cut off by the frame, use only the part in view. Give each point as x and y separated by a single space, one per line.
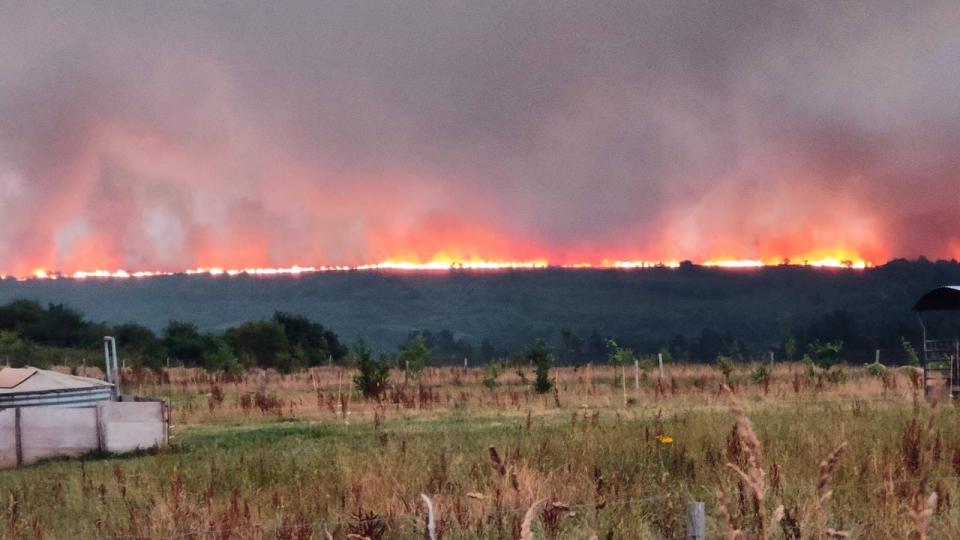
444 262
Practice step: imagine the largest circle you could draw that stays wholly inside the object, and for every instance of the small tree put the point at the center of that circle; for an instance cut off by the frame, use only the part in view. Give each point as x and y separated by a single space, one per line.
374 374
539 355
727 366
220 357
414 356
824 355
492 373
13 348
618 356
912 358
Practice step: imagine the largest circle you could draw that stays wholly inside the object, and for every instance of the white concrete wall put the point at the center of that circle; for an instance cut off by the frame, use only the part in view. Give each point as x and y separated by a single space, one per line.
47 432
129 426
8 439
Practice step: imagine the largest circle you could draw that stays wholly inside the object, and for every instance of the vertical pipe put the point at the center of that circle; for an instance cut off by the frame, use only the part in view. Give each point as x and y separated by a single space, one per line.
924 327
106 360
116 367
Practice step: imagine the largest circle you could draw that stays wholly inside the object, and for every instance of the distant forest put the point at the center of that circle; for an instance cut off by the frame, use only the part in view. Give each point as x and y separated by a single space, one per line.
688 314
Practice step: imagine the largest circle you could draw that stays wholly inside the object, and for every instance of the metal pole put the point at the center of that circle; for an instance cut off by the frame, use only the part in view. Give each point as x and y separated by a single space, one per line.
106 360
696 521
116 367
924 327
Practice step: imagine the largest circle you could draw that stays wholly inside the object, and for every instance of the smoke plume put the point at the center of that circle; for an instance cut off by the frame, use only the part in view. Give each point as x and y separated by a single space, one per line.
174 135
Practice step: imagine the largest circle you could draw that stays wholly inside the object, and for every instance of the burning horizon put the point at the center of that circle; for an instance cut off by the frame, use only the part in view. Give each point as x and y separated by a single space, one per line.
443 262
157 138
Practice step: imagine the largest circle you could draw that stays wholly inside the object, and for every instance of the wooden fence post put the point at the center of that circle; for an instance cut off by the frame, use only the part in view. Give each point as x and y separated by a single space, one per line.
660 360
636 375
623 381
696 521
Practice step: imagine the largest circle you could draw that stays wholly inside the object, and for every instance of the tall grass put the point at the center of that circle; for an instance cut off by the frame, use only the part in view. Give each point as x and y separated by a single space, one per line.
300 456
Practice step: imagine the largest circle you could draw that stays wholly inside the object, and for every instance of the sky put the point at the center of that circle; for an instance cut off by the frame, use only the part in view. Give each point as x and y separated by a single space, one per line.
173 135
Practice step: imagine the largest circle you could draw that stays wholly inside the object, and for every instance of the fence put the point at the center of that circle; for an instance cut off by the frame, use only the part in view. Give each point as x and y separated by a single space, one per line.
31 434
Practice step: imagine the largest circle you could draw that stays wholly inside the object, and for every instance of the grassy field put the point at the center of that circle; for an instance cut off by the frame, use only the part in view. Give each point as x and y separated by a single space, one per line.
298 456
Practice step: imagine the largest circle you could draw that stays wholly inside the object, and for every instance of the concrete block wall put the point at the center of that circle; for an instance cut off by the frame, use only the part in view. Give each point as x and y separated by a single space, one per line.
31 434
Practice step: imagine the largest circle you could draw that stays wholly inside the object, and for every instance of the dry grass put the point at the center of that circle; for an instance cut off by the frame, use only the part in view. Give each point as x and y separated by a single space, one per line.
302 456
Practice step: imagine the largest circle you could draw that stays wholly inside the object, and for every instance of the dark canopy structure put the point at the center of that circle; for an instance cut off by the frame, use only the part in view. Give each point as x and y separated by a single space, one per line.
940 299
941 357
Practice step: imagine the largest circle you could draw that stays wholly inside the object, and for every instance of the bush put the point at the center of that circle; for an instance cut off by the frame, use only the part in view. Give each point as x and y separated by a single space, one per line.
876 369
912 358
760 373
219 357
727 366
414 356
824 355
491 374
374 374
541 358
13 349
618 356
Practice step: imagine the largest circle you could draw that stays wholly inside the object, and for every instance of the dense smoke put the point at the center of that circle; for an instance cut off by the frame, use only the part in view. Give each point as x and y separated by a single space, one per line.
179 134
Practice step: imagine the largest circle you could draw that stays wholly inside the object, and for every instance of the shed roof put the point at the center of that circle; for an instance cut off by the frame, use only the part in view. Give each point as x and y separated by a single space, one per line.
20 380
940 299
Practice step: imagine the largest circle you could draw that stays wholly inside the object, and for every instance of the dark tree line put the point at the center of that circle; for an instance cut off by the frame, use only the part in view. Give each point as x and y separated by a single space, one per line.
285 342
39 334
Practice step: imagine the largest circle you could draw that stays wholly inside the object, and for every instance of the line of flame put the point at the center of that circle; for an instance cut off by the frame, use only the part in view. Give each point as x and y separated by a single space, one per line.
443 265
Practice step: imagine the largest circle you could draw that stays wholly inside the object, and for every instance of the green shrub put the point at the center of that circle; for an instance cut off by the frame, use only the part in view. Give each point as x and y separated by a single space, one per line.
491 374
912 358
541 358
414 356
727 366
374 374
876 369
760 373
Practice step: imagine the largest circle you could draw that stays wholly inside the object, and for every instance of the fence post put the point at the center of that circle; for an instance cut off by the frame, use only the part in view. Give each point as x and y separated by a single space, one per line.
636 374
696 521
623 381
660 360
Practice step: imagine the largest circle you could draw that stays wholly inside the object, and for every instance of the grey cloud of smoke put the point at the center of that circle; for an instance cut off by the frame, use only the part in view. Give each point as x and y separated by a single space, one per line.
148 135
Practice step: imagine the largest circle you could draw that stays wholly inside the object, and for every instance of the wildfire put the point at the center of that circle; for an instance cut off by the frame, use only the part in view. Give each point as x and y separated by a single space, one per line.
446 263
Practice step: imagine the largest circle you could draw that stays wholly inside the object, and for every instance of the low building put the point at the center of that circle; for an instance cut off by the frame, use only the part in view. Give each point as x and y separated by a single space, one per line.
45 414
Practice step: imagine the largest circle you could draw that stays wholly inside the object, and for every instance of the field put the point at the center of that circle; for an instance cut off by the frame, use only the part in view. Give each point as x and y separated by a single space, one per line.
794 454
